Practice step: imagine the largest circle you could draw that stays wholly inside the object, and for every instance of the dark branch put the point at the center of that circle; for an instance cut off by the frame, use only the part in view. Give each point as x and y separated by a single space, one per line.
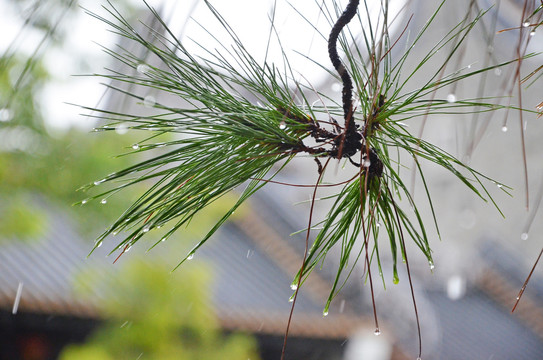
347 93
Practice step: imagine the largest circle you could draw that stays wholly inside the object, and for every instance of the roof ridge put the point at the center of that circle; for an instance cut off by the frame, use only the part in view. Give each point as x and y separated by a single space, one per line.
283 254
500 289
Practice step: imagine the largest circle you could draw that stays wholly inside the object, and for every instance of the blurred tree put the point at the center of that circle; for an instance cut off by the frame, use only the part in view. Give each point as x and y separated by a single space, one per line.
153 314
36 164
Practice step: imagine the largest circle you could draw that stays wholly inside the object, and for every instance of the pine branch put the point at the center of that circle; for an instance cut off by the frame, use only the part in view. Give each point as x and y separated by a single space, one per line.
239 118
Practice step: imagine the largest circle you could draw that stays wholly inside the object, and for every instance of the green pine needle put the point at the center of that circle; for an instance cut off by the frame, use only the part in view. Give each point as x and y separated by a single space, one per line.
238 119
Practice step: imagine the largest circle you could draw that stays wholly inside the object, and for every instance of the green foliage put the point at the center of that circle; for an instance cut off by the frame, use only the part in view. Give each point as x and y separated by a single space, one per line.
158 315
55 172
20 219
36 164
20 81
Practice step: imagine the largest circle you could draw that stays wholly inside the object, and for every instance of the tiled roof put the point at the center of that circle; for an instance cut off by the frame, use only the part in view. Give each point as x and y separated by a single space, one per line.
250 290
475 327
43 271
254 265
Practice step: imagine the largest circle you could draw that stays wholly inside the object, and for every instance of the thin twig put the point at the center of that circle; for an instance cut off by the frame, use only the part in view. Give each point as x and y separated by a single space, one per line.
301 273
521 292
363 194
402 242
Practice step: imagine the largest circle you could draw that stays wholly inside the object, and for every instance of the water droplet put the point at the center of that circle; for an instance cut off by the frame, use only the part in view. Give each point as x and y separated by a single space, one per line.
121 129
190 257
419 358
336 87
149 101
282 125
103 201
377 332
98 182
143 68
456 287
378 224
294 287
115 233
5 114
431 264
83 202
499 186
524 236
136 147
325 313
526 24
128 248
146 229
504 128
163 239
291 299
532 33
497 71
99 244
451 98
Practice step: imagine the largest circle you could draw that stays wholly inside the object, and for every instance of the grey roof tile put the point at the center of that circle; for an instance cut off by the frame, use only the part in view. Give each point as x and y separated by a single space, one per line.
475 328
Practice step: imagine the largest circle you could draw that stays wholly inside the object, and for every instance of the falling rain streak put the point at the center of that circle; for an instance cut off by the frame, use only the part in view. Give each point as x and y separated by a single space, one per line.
17 298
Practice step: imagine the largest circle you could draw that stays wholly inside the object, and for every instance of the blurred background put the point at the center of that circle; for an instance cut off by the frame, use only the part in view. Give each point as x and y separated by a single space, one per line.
232 300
